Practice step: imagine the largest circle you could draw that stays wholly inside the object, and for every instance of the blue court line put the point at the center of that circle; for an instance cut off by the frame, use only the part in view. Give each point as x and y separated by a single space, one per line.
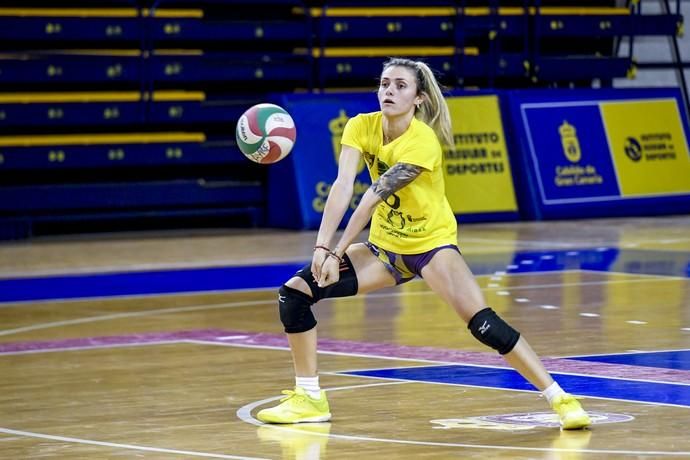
74 286
634 261
601 387
148 282
676 359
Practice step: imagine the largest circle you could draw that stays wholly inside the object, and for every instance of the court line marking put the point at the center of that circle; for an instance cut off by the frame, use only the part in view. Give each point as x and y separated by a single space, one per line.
603 398
424 362
636 352
581 245
145 267
641 275
88 347
549 245
21 303
551 371
31 434
491 366
91 319
433 362
244 414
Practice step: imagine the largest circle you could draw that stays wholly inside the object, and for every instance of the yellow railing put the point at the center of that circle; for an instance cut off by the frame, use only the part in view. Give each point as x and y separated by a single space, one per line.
99 96
382 51
101 12
97 139
449 11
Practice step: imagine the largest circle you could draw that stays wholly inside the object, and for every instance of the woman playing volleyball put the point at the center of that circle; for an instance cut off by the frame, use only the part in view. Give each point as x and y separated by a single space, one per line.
413 233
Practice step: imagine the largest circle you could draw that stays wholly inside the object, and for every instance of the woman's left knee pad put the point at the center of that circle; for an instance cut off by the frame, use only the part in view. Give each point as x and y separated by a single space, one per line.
487 327
295 310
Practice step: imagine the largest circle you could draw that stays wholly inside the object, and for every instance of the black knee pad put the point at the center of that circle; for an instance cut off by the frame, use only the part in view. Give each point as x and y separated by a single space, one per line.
487 327
295 310
346 286
295 306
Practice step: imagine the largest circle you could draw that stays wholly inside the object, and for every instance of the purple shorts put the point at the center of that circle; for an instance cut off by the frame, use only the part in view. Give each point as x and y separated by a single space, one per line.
405 267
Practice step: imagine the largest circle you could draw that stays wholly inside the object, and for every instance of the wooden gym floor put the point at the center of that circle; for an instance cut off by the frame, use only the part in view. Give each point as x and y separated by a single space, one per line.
163 346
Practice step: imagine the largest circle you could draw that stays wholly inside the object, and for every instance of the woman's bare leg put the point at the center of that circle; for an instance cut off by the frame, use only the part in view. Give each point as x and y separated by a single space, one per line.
448 275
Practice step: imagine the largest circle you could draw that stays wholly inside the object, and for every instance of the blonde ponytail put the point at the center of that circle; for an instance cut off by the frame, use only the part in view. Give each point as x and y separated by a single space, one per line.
433 110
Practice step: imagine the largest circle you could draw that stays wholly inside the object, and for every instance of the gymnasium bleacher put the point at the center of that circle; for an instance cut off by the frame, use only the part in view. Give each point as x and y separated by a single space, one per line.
120 115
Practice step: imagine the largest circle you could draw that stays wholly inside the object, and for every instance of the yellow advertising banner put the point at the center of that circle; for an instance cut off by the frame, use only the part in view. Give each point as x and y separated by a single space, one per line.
478 177
648 145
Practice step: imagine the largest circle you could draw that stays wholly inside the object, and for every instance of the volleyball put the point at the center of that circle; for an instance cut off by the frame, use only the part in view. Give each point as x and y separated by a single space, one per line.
265 133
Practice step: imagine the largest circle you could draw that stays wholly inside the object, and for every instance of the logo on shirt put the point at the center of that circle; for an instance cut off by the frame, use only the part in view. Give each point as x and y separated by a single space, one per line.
396 218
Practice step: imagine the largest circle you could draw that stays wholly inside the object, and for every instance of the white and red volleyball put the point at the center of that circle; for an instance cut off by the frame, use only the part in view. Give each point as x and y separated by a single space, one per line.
265 133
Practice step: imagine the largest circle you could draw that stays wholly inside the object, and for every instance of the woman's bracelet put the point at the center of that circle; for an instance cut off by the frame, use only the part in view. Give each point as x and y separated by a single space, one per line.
330 253
336 256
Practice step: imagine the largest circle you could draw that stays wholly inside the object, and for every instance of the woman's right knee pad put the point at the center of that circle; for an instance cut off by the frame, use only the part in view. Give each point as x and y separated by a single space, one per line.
295 310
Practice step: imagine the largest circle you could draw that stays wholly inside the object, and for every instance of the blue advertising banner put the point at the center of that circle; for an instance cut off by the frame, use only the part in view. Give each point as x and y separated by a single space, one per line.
569 166
583 153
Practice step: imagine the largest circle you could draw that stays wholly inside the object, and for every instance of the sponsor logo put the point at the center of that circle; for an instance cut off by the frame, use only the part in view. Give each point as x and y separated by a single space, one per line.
633 149
484 327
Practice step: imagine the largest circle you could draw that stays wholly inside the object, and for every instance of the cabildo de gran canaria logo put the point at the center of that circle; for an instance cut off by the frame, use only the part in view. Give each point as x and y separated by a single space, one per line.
574 174
569 141
336 127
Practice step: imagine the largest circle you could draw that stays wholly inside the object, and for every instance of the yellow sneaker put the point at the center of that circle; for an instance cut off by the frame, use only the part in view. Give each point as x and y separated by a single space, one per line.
297 407
570 412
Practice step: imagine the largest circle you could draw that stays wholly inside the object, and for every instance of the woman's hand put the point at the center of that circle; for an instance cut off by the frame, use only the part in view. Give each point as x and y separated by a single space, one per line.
318 258
330 271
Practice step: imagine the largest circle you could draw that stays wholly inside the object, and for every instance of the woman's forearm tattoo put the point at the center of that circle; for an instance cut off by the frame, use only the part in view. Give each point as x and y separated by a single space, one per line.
398 176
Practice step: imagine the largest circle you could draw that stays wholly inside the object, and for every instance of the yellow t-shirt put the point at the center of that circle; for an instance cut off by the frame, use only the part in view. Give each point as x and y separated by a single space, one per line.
418 217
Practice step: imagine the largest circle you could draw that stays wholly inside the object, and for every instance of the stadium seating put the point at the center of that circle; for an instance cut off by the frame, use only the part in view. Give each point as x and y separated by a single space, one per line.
123 111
